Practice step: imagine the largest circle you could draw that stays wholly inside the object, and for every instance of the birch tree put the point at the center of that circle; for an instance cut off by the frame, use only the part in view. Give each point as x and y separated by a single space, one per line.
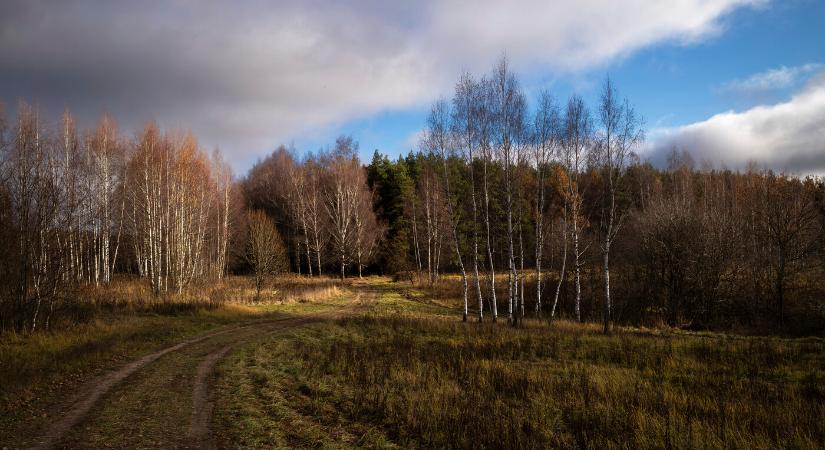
314 208
106 169
464 126
30 171
223 217
430 189
620 134
173 194
545 134
577 139
344 177
562 177
486 132
438 143
508 109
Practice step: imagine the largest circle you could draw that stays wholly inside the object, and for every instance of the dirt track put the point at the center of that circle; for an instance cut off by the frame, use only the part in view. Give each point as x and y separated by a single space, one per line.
162 399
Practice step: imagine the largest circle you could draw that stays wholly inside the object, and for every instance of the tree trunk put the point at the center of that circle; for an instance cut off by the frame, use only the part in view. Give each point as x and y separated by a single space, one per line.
415 241
607 306
493 301
521 271
780 286
577 267
512 285
563 265
455 235
475 244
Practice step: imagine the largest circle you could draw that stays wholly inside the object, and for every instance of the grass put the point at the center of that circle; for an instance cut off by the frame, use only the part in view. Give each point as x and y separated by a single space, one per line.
120 323
410 374
406 372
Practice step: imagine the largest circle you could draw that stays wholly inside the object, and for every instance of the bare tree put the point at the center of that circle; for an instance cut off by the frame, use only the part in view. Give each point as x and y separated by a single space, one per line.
431 191
72 163
299 209
223 219
620 134
789 224
486 131
368 233
464 126
345 180
565 233
438 142
266 252
577 140
508 111
314 207
545 134
33 265
106 165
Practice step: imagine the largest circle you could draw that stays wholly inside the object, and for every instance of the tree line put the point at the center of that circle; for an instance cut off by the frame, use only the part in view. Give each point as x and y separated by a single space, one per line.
547 209
556 197
542 208
76 207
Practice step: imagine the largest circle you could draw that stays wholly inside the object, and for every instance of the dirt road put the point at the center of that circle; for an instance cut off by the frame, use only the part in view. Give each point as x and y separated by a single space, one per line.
161 400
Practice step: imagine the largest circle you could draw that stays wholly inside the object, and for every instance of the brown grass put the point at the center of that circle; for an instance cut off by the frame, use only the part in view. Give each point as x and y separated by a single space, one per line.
106 327
417 378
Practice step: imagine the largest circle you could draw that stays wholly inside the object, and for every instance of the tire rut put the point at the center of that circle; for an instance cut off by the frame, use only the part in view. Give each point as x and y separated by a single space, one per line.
200 431
79 406
88 395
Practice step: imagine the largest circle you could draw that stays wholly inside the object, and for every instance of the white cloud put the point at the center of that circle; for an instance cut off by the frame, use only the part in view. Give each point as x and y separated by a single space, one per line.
572 34
249 75
773 79
788 136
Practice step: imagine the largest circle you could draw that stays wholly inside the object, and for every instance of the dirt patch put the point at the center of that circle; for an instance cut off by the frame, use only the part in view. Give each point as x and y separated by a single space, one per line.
202 404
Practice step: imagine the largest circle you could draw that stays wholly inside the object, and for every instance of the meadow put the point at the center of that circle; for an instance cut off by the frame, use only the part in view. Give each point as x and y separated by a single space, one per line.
410 374
401 370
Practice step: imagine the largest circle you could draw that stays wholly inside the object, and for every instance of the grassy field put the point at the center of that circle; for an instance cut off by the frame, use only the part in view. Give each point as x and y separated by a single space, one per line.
403 371
410 374
117 325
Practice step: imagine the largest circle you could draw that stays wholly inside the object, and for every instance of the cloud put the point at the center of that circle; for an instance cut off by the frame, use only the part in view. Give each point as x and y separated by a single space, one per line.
413 140
770 80
248 75
787 136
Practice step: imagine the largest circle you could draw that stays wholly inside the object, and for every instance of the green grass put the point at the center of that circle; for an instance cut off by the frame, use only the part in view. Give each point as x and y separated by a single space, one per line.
410 374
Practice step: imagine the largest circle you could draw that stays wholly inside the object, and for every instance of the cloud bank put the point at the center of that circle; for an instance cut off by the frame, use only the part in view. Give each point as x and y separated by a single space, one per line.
788 136
247 75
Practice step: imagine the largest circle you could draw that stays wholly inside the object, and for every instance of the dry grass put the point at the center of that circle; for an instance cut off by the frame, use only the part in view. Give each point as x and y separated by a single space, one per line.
408 375
106 327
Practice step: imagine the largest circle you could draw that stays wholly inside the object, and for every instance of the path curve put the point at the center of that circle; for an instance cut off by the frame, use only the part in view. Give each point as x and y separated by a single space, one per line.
78 406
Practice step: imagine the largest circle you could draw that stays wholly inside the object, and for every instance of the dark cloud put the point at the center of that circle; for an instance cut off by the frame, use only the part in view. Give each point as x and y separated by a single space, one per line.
248 75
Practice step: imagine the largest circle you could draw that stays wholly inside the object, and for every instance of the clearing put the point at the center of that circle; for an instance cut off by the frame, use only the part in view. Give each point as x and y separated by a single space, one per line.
391 365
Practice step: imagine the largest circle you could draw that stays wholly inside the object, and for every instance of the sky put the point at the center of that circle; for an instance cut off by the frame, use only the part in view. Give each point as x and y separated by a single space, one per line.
730 81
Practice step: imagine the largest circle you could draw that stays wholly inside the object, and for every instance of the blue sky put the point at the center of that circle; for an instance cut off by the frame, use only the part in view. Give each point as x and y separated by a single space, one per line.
728 80
670 83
